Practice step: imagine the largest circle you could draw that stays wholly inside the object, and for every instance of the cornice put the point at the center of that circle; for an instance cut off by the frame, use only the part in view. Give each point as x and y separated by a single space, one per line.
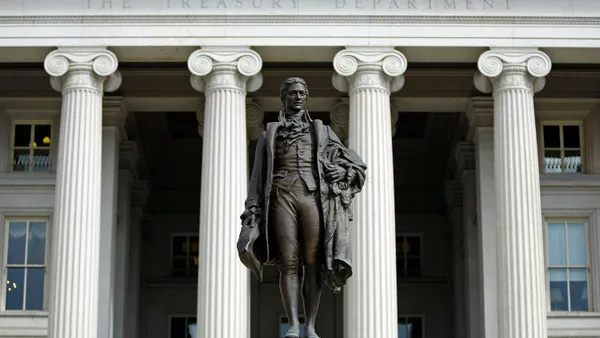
208 20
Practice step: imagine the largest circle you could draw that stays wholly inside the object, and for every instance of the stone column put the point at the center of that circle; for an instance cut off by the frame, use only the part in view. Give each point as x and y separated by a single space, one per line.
82 75
514 75
224 75
370 75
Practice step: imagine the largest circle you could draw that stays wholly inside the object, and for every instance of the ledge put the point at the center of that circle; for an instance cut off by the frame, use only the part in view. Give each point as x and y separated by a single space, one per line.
27 179
24 324
574 180
578 324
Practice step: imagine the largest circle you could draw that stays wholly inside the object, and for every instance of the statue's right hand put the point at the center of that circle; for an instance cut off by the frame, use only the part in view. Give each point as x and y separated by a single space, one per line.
249 220
249 217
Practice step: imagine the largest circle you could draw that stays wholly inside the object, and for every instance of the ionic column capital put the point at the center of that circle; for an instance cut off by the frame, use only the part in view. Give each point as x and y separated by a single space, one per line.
512 68
97 67
236 68
254 119
360 67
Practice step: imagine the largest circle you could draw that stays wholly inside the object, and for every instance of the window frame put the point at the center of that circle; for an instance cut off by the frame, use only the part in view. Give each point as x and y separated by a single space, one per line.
592 219
45 215
171 246
409 315
405 264
542 146
179 315
31 122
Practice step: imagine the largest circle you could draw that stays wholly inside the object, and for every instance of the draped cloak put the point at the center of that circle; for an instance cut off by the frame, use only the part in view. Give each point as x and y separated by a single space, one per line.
253 242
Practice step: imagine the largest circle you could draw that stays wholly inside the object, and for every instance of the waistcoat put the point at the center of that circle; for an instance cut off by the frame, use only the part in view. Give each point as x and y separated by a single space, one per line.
296 162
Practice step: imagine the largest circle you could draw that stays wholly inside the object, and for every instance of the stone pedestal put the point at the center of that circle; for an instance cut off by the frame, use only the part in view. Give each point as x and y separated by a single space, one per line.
81 75
369 75
224 75
515 75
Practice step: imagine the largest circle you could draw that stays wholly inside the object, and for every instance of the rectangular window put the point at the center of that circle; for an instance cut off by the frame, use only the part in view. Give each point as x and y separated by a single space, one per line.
563 147
284 325
408 255
31 144
567 264
182 327
410 327
185 255
25 262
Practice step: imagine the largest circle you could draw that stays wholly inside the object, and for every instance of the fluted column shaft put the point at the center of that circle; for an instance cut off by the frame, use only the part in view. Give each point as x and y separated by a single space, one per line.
224 75
370 299
515 75
80 74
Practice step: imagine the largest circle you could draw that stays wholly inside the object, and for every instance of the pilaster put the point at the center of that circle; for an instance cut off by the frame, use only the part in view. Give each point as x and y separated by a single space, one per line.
480 114
225 75
514 75
82 75
465 173
114 115
128 158
454 202
370 75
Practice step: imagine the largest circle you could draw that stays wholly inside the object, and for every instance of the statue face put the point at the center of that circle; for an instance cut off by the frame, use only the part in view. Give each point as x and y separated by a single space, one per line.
295 98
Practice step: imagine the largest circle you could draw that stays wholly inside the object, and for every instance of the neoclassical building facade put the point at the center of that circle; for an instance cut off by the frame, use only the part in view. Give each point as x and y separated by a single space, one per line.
127 130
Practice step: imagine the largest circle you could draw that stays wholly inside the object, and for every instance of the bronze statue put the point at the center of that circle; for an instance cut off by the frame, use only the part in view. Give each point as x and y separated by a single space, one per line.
298 207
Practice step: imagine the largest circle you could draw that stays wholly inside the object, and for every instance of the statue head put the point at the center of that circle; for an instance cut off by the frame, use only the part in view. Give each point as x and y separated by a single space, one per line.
294 94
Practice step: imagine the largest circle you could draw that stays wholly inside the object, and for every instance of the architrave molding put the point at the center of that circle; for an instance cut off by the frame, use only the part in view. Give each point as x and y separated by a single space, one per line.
121 30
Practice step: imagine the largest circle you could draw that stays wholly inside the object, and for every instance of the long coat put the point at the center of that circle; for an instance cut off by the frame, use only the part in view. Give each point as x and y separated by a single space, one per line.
259 192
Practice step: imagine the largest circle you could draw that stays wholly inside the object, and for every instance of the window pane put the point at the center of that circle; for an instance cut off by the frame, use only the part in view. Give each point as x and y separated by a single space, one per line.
579 293
36 248
194 240
179 267
414 267
572 162
577 244
416 327
21 160
35 288
17 234
571 136
283 327
15 286
557 248
41 159
42 135
22 135
551 137
414 245
403 330
559 298
179 245
178 329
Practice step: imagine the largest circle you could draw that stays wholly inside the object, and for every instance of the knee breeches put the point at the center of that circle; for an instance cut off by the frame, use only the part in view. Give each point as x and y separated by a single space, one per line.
295 224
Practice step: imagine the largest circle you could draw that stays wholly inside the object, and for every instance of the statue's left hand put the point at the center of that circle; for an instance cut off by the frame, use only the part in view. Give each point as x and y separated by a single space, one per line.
335 175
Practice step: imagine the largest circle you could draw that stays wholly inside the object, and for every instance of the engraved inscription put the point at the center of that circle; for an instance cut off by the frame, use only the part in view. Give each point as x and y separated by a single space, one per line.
377 5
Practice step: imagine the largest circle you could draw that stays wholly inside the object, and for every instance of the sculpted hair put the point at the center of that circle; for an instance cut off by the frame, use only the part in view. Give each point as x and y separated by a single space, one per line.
288 83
